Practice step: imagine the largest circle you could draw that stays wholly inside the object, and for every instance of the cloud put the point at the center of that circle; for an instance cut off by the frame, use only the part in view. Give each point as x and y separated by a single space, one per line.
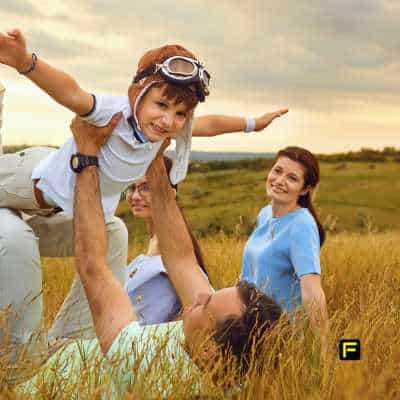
20 7
314 56
58 47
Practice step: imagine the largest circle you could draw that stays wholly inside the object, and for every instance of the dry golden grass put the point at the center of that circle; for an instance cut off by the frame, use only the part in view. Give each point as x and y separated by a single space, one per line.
361 279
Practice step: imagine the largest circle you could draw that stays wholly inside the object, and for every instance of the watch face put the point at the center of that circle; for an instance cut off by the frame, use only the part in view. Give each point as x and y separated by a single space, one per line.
75 162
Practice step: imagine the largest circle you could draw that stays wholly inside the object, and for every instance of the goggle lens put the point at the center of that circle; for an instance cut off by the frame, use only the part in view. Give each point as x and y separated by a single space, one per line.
181 67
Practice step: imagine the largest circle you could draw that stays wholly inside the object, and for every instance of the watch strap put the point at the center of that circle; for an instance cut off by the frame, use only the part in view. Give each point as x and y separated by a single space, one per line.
88 160
83 162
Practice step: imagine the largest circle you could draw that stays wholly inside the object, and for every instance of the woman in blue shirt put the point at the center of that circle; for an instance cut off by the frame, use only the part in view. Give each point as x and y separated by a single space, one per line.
282 254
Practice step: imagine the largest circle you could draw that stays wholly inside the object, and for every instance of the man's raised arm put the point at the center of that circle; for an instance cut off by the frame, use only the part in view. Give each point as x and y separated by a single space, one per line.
110 306
175 243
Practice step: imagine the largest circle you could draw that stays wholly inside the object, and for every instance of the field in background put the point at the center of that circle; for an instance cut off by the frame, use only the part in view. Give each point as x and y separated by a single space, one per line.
353 197
359 204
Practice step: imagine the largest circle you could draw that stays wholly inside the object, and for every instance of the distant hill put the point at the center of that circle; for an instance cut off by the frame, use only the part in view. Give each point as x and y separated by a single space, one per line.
362 155
217 156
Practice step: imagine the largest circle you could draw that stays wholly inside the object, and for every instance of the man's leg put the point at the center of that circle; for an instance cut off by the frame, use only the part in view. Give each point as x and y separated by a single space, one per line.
2 90
56 240
20 281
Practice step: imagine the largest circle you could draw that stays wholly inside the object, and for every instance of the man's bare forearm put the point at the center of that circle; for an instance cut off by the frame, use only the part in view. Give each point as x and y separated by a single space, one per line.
89 228
171 229
175 243
109 304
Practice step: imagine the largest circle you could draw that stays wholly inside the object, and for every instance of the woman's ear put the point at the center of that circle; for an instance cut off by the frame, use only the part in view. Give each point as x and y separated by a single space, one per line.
306 190
174 191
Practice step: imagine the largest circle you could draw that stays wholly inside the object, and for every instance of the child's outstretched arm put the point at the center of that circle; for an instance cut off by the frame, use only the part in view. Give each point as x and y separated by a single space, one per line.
213 125
59 85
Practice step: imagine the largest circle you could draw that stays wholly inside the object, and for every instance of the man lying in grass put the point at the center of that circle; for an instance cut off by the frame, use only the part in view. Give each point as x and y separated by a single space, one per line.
226 323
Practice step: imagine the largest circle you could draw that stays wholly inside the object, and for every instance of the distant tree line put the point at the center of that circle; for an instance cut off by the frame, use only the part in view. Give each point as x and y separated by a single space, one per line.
364 155
257 164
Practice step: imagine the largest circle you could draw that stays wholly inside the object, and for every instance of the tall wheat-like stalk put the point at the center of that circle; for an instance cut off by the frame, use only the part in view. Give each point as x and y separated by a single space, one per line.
361 279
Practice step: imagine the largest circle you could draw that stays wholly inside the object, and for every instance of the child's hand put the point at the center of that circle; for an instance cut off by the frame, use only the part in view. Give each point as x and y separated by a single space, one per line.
263 121
13 50
90 138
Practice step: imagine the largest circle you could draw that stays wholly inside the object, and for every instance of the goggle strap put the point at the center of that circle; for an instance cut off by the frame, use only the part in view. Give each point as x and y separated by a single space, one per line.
146 72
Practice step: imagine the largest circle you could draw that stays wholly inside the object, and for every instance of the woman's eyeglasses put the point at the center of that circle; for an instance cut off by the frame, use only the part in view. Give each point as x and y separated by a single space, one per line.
142 188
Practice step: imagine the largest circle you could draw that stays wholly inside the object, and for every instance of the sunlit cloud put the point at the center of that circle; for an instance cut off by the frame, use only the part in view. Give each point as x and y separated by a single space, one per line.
333 63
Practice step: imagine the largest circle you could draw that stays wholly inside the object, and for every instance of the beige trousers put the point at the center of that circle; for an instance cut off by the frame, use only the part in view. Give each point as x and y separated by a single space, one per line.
2 90
24 239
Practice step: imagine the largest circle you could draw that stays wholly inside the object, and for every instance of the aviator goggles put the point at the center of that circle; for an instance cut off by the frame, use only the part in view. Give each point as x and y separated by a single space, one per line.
181 70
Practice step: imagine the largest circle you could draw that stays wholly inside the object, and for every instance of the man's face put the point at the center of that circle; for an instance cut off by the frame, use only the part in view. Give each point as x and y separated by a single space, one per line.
200 319
159 117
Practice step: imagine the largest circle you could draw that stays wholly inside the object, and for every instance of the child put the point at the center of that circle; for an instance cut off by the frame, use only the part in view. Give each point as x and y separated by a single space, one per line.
169 83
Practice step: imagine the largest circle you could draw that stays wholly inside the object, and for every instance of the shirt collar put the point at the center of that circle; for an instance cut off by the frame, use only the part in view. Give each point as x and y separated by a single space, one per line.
139 135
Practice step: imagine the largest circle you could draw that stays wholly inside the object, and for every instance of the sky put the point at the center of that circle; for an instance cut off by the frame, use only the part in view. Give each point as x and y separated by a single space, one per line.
333 63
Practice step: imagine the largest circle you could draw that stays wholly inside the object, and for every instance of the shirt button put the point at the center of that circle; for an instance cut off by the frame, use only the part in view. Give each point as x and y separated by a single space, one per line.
139 299
133 272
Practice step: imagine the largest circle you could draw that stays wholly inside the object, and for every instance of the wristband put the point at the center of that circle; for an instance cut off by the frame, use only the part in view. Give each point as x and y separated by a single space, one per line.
250 124
32 67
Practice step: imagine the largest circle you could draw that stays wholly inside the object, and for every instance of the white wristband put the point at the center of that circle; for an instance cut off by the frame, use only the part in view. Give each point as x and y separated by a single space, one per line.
250 124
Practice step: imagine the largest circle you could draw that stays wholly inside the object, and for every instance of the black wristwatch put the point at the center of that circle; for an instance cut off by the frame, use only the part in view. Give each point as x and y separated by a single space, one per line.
80 161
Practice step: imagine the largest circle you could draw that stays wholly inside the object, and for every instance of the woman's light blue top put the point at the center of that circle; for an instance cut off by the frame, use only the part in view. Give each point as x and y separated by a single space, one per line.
279 252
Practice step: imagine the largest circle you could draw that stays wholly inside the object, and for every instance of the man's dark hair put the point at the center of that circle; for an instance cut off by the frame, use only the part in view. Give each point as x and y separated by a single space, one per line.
240 336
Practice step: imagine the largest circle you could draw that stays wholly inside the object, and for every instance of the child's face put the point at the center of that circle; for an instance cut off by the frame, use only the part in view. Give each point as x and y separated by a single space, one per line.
159 117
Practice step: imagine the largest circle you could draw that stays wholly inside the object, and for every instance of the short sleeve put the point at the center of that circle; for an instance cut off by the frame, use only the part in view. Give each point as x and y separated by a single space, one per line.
305 247
262 216
104 107
123 340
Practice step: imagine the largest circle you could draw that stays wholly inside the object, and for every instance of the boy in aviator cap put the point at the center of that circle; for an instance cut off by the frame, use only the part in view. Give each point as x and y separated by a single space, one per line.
157 107
168 85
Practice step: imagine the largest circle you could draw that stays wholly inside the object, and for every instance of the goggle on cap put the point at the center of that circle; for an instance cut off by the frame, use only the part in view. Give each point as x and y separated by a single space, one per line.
145 78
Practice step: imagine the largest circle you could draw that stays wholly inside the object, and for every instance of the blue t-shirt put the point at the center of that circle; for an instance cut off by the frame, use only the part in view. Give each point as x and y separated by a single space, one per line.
279 252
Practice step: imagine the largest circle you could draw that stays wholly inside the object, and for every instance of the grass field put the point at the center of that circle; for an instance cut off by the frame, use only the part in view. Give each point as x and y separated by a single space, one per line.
360 273
353 197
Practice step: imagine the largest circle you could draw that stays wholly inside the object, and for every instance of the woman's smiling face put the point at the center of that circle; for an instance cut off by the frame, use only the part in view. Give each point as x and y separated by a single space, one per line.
138 197
285 181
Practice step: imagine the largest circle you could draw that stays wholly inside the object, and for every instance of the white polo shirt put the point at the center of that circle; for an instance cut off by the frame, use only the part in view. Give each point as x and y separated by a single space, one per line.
122 160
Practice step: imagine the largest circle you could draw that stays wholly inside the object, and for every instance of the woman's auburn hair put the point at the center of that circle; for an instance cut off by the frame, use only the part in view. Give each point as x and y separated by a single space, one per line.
311 179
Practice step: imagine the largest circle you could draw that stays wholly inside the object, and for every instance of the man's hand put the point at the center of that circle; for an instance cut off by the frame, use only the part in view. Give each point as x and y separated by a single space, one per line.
90 138
263 121
13 50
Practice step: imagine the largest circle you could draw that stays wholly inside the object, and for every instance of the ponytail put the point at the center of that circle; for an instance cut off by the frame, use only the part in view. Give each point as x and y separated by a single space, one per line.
306 202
